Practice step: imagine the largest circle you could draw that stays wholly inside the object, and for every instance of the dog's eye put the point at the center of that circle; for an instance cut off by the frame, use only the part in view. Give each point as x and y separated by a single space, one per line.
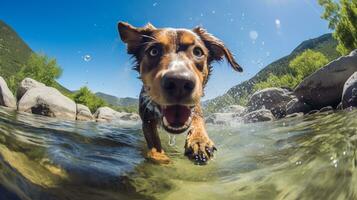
154 51
197 51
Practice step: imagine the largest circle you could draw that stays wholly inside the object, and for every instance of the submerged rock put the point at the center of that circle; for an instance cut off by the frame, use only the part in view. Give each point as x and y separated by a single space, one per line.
106 114
49 102
258 116
221 118
325 86
7 99
27 84
237 109
273 99
83 113
349 95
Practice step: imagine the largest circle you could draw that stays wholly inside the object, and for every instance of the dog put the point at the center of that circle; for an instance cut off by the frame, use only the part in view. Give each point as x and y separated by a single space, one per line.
174 66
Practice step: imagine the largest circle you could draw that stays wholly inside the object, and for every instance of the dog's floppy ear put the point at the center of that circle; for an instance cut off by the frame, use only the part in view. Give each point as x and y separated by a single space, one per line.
133 36
217 49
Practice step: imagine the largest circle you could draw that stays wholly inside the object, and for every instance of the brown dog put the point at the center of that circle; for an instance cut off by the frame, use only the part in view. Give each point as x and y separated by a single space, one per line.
174 66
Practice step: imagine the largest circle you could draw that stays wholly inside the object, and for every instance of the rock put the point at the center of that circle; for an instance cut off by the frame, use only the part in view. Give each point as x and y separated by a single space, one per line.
296 106
296 114
221 118
47 101
326 109
325 86
26 85
7 99
273 99
313 112
130 117
238 109
258 116
349 94
83 113
106 114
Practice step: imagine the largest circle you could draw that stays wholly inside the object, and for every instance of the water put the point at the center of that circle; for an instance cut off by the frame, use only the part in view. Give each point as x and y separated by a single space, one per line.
311 157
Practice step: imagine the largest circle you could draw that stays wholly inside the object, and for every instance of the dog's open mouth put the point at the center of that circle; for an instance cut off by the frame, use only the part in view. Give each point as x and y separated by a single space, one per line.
176 118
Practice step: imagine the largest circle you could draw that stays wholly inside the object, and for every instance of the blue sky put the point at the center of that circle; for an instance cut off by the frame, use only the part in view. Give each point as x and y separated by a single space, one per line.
257 32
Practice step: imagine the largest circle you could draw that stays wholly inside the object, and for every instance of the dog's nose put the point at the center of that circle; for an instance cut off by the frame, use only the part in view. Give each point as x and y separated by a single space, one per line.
178 84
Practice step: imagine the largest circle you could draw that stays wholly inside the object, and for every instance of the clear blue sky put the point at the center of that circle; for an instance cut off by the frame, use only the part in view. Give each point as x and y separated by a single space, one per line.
257 31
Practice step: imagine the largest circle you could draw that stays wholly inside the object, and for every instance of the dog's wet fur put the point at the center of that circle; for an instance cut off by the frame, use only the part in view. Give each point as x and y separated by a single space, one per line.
174 66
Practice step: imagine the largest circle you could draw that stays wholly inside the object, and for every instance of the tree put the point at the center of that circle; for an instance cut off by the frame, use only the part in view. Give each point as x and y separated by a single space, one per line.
301 66
39 67
342 17
86 97
307 63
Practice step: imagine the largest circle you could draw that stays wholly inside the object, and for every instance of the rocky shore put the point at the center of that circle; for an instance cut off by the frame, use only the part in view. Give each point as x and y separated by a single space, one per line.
37 98
331 88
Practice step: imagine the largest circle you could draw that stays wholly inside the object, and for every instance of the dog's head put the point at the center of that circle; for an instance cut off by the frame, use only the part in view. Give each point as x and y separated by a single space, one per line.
174 65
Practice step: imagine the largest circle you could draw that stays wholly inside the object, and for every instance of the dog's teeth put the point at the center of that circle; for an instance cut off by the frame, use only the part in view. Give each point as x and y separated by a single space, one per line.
166 123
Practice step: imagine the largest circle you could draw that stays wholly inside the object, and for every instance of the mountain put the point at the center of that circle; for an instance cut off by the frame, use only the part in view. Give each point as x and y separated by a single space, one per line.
14 53
116 101
238 94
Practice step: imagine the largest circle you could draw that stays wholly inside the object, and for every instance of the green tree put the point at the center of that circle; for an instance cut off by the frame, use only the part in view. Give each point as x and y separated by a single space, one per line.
307 63
342 17
301 66
86 97
39 67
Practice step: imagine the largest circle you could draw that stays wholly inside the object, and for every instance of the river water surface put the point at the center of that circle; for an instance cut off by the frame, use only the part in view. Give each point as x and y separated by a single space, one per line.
311 157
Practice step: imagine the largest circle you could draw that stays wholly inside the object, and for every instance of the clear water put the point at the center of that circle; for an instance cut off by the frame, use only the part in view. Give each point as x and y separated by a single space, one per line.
311 157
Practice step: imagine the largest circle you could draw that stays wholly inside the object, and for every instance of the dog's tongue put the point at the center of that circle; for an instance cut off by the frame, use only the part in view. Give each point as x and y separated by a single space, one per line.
176 115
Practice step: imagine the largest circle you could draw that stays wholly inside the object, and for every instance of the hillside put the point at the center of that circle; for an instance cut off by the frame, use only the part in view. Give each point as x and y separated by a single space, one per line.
238 94
113 100
14 53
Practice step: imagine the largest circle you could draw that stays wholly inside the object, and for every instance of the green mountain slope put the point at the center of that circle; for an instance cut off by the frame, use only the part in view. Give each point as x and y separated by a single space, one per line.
113 100
14 53
325 44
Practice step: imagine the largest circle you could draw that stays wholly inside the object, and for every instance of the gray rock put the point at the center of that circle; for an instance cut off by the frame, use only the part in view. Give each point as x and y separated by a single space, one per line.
273 99
47 101
349 95
327 109
7 99
296 106
83 113
106 114
27 84
221 118
238 109
258 116
296 114
325 86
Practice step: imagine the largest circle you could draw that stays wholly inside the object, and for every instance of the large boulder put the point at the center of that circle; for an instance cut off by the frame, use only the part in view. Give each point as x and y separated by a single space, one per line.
47 101
325 86
106 114
273 99
27 84
237 109
7 99
349 95
258 116
83 113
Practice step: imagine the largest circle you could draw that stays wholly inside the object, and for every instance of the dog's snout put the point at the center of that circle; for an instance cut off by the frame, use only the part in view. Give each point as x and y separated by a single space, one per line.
178 84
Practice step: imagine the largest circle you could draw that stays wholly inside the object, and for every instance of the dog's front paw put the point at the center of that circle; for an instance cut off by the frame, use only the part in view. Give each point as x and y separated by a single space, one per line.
158 157
199 149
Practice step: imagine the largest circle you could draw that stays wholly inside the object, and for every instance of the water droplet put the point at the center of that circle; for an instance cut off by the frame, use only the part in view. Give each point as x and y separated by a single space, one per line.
154 4
87 58
253 35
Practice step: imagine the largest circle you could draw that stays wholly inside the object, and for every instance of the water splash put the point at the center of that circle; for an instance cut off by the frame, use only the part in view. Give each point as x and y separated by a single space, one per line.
87 58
